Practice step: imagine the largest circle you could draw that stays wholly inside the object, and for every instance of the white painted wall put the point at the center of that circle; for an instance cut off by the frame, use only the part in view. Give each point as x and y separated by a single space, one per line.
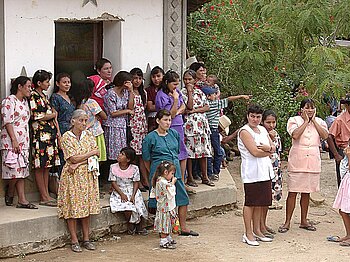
29 32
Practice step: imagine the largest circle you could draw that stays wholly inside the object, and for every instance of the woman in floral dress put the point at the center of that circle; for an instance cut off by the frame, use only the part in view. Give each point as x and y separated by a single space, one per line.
138 122
15 141
116 104
45 133
78 194
197 131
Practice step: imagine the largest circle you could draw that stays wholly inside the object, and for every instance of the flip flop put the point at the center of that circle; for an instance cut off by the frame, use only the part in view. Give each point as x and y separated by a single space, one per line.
192 184
333 238
208 183
283 229
50 203
26 206
308 227
344 244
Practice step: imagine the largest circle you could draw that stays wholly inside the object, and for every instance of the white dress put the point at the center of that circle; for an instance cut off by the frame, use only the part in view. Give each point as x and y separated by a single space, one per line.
125 180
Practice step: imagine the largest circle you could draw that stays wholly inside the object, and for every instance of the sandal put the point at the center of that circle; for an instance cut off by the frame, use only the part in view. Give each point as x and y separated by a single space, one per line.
76 247
50 203
27 206
308 227
270 230
89 245
142 232
208 182
192 183
344 244
190 191
189 233
283 229
167 245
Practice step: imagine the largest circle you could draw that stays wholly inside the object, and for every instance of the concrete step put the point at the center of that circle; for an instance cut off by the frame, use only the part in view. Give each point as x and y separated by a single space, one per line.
29 231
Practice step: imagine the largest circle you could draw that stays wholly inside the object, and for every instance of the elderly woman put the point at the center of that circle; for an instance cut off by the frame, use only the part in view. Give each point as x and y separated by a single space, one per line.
15 115
78 194
163 144
304 161
255 146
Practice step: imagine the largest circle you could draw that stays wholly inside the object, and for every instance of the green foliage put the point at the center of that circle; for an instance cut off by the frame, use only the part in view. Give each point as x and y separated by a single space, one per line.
247 43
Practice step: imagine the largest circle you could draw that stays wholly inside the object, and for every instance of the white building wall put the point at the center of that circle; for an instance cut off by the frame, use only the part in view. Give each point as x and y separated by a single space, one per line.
29 32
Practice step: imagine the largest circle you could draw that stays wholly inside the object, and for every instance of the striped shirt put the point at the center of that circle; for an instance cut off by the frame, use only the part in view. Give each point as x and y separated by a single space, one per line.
213 114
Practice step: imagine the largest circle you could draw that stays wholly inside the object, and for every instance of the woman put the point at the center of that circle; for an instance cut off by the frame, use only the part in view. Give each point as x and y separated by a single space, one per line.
170 98
304 161
197 131
160 145
201 74
15 141
78 195
45 134
104 77
255 146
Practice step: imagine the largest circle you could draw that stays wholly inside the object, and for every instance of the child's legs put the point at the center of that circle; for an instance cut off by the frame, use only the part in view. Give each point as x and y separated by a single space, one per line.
346 220
72 228
215 142
127 215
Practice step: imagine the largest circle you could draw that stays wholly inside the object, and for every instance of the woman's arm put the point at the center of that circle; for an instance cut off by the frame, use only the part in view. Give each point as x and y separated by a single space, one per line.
151 107
102 115
11 132
131 100
200 109
300 130
181 110
189 89
323 133
173 110
249 143
121 112
83 157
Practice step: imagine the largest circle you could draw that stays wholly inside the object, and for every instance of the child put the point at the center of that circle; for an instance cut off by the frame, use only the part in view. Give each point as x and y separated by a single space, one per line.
126 197
213 115
157 74
269 120
163 184
342 200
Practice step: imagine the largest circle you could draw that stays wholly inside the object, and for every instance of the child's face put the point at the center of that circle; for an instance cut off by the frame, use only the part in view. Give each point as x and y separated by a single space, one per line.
212 97
64 84
122 158
136 81
270 123
169 175
210 81
157 78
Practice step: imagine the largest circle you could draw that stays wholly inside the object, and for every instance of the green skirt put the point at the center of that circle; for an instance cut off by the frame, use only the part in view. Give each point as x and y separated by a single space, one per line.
100 140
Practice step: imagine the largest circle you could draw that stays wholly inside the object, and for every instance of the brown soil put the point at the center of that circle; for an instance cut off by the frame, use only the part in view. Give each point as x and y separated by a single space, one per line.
220 237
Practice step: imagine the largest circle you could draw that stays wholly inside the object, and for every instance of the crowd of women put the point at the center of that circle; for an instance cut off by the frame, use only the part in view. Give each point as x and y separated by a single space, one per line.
153 139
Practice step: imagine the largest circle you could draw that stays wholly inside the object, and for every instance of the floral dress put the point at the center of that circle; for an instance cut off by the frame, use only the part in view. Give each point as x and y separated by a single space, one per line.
166 213
276 164
17 113
138 125
78 194
115 127
44 133
125 180
197 130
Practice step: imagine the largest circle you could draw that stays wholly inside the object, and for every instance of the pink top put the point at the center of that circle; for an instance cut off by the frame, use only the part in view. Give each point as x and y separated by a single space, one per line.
99 90
304 156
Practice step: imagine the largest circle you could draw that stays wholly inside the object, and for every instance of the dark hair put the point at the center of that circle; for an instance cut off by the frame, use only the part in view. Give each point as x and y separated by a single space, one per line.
58 79
21 80
100 63
169 77
85 91
141 89
196 65
41 75
255 109
156 70
161 168
190 72
121 77
130 153
267 113
161 113
306 101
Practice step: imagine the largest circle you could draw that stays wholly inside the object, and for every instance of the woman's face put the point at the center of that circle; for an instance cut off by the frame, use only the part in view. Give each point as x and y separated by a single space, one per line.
157 78
164 123
270 123
106 71
80 123
173 85
64 84
309 109
254 119
201 73
44 85
25 89
136 81
188 79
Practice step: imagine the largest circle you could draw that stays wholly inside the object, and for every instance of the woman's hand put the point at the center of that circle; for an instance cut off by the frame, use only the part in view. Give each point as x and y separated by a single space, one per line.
304 115
272 135
174 94
131 112
95 152
189 88
15 146
124 198
265 148
314 116
73 167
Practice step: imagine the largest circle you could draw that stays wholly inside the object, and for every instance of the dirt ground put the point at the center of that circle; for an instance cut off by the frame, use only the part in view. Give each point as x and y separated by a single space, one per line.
220 237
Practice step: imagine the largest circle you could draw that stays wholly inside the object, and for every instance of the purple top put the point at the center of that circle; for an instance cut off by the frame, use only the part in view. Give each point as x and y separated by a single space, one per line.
164 101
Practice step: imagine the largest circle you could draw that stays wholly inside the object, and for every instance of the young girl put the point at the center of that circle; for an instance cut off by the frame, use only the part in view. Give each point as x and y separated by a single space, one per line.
138 122
126 197
157 74
342 200
44 135
164 184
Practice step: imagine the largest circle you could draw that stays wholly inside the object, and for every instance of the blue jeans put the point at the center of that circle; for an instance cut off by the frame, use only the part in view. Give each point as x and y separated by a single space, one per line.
214 163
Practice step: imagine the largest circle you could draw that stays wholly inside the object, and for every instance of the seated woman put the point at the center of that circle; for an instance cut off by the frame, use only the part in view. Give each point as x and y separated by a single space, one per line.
78 194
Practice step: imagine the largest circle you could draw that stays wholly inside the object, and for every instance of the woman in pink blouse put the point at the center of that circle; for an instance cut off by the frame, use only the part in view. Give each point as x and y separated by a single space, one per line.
15 141
304 161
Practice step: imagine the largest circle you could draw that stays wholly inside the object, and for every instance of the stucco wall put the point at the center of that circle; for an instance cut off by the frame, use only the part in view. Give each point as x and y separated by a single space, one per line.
29 32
